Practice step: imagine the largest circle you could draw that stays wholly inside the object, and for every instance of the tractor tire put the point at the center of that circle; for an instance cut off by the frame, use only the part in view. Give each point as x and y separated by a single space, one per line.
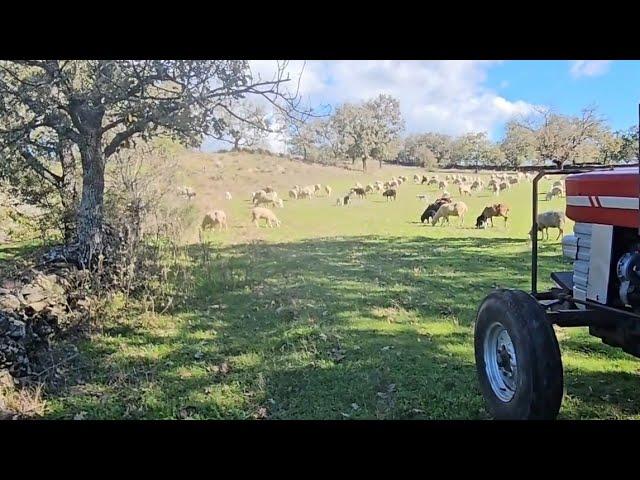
517 358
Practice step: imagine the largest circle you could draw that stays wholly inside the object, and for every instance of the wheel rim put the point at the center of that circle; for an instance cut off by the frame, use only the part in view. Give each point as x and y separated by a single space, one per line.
500 362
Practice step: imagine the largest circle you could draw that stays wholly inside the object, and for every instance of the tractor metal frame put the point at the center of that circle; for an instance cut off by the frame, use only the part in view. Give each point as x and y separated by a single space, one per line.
560 306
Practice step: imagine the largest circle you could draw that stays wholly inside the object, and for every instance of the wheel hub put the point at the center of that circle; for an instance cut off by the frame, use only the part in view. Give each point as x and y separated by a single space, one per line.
500 362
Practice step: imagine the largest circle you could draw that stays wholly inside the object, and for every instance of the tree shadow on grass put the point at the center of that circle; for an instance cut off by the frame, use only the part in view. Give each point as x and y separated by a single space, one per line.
354 327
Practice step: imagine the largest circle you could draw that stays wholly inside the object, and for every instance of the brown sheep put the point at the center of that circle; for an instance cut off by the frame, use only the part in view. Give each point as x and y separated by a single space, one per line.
496 210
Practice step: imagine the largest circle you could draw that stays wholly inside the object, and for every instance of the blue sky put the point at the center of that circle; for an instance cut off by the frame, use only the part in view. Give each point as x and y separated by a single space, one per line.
456 97
614 87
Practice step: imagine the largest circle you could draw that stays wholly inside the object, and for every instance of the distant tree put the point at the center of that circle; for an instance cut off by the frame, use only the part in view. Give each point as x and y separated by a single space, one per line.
629 149
518 144
94 108
563 139
367 130
477 150
415 152
304 138
245 124
440 145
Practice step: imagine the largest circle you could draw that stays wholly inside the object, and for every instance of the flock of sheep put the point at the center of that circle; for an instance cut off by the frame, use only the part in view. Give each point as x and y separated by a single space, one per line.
440 210
443 207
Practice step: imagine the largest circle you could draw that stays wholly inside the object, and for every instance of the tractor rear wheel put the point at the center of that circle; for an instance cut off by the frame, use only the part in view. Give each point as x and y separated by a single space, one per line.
517 358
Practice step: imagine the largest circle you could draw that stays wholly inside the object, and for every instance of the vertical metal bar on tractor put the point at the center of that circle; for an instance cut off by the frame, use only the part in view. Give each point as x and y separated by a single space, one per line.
534 235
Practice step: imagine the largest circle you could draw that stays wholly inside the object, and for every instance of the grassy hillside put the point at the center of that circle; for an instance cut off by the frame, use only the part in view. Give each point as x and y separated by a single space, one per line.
343 312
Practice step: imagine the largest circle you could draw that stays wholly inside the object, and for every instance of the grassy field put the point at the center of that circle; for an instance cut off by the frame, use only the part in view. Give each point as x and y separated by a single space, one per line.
357 312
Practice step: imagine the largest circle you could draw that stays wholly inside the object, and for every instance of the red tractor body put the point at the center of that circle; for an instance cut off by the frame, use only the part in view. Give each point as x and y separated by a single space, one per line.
604 197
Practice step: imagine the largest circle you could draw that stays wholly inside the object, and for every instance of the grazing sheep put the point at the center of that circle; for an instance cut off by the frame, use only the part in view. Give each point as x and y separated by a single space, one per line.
317 188
328 190
554 192
227 195
432 181
442 185
432 209
339 202
513 180
393 183
360 192
293 194
495 188
369 188
505 186
416 178
390 193
549 220
261 194
267 199
307 192
464 189
424 180
477 185
268 189
496 210
446 210
260 212
213 218
346 199
279 203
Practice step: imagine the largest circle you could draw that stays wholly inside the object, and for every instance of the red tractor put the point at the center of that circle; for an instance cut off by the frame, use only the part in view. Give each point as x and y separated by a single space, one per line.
516 350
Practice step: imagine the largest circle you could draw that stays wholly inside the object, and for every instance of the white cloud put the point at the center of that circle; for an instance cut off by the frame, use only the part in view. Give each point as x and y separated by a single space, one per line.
442 96
589 68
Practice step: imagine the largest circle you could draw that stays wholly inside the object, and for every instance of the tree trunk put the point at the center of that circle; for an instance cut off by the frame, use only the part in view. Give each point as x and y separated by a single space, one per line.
68 193
364 164
236 144
90 214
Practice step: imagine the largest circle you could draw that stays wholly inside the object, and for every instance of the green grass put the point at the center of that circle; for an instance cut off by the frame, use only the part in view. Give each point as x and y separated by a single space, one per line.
355 312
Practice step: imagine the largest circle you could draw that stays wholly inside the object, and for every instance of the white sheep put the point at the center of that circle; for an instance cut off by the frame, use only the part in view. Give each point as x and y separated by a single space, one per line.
293 194
260 212
554 192
548 220
442 185
464 189
213 218
446 210
328 190
227 195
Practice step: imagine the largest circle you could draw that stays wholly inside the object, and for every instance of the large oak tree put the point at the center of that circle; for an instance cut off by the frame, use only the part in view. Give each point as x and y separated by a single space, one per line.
57 110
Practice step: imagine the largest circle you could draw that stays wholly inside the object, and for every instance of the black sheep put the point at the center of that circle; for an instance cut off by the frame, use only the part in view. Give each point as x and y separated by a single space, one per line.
431 210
